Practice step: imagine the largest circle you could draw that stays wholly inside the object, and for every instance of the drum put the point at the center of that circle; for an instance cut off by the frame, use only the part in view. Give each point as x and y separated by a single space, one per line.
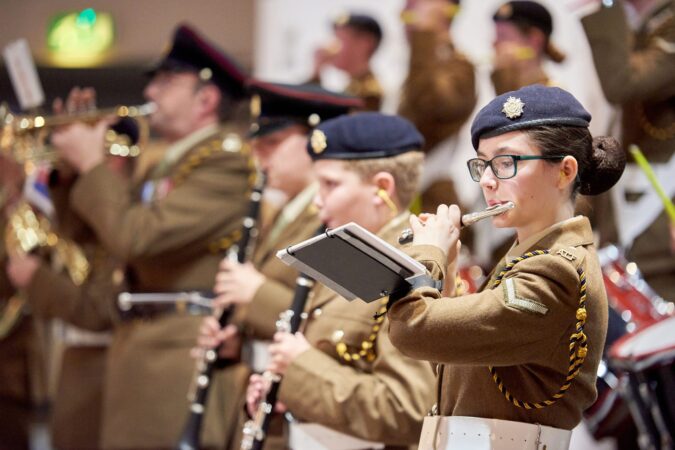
472 277
628 293
645 361
633 306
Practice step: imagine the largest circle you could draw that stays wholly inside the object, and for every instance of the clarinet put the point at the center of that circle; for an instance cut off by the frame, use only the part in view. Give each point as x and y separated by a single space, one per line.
255 430
240 252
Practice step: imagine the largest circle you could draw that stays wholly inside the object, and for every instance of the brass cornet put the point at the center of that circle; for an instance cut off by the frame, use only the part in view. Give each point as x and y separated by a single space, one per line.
24 138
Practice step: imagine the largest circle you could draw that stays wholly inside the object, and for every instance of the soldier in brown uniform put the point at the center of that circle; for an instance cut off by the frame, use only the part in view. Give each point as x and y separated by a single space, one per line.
18 337
526 348
341 372
522 44
18 355
171 231
439 92
637 72
263 288
357 38
81 290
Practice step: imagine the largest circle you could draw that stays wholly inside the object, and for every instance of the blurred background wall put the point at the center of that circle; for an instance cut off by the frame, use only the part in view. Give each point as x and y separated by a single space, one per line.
142 29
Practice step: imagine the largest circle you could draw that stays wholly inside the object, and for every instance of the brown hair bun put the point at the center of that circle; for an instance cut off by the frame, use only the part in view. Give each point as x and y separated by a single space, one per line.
607 163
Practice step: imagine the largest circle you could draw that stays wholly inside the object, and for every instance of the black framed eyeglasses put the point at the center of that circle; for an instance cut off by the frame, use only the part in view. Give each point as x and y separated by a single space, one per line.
503 166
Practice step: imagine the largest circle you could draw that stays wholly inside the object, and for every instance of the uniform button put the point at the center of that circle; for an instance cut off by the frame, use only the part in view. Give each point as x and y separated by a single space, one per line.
316 313
117 277
337 336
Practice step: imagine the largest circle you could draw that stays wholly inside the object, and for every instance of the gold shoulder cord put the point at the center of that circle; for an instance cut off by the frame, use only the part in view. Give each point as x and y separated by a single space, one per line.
212 147
367 350
578 347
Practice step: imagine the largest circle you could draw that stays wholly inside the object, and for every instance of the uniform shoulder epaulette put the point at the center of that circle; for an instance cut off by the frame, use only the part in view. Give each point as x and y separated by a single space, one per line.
571 254
228 141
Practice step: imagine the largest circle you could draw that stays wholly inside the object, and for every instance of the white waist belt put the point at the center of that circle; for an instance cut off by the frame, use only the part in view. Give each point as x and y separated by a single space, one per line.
312 436
77 337
473 433
257 354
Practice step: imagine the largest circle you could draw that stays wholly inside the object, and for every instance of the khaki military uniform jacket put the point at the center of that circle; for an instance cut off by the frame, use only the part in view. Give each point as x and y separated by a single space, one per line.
383 400
276 293
173 243
77 405
439 92
510 78
522 327
637 72
438 96
21 371
368 89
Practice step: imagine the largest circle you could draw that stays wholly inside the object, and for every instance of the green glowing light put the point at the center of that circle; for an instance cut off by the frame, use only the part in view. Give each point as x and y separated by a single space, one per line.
80 38
86 18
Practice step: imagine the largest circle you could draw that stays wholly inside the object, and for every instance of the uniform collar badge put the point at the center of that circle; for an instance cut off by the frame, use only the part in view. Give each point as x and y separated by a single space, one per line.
318 141
513 108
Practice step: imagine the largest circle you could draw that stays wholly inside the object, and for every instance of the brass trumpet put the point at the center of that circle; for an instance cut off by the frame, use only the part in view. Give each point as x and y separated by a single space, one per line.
24 138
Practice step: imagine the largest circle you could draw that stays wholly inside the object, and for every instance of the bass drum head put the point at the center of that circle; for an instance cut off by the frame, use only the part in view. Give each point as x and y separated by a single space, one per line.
651 346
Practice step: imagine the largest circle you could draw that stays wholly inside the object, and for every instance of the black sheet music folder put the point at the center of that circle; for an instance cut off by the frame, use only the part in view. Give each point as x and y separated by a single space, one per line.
353 262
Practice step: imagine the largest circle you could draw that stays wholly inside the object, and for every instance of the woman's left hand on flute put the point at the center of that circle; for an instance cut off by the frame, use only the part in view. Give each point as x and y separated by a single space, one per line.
440 230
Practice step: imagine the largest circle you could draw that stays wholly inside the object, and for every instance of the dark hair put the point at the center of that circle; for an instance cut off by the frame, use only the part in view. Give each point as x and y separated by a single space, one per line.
601 160
229 108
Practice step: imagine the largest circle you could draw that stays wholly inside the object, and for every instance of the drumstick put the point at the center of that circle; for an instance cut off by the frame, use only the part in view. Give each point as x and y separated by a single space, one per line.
651 176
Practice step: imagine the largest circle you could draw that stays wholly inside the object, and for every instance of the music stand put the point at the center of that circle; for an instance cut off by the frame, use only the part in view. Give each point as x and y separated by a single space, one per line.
353 262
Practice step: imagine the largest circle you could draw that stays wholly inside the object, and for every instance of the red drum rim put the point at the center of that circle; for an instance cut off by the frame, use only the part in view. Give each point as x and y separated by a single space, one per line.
646 347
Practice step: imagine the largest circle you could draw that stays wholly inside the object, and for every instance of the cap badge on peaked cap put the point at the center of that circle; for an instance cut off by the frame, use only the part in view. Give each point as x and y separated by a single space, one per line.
505 11
513 107
318 141
255 106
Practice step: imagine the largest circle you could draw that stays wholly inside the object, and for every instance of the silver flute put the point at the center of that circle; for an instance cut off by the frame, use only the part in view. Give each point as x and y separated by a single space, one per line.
466 220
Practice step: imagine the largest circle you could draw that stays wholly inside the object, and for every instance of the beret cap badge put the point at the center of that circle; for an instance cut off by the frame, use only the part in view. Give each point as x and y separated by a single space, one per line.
513 107
318 141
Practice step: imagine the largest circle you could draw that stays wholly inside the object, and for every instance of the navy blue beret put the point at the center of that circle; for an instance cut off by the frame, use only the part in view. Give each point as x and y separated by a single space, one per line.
275 106
365 135
528 107
190 51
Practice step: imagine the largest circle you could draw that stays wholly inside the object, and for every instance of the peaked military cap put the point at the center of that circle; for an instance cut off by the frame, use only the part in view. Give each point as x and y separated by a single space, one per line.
191 52
365 135
527 13
275 106
528 107
360 22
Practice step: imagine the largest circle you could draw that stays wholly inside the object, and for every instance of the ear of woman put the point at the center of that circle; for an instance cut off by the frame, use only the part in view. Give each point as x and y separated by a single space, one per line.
569 169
